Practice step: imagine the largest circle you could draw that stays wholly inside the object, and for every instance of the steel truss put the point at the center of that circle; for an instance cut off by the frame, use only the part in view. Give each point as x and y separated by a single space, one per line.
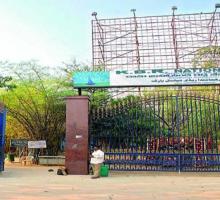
170 41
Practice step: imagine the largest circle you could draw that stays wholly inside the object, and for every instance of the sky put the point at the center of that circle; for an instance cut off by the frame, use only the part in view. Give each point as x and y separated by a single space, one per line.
56 31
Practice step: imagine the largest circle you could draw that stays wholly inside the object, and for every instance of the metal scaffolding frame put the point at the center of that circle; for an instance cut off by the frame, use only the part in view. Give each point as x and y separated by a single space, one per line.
169 41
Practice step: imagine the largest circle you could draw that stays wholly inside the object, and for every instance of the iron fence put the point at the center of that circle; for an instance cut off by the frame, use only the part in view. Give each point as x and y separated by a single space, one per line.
159 132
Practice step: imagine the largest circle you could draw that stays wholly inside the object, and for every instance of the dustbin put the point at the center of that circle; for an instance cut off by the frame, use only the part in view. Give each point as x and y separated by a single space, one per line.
11 157
104 171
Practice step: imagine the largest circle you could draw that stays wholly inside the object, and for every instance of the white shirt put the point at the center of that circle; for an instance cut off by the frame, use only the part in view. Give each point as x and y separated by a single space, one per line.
98 157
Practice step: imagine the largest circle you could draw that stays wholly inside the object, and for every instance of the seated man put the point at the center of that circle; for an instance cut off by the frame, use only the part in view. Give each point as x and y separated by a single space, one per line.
96 161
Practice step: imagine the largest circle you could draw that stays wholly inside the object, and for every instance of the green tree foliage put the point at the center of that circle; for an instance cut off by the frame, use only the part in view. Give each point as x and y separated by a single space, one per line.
37 104
126 121
5 82
14 129
207 57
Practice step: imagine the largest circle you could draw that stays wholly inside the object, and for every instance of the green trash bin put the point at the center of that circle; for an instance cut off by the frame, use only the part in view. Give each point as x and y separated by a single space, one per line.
11 157
104 171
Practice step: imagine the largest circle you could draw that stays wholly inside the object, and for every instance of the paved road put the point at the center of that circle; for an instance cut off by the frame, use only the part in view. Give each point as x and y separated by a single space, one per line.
36 183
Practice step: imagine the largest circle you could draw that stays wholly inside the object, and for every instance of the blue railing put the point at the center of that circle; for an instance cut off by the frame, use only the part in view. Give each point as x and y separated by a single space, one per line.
2 138
162 162
200 162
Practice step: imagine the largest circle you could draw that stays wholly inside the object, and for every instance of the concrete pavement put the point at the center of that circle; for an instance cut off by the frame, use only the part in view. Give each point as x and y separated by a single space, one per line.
36 183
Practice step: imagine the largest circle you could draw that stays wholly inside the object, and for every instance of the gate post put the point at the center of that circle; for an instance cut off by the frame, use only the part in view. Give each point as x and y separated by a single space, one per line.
76 145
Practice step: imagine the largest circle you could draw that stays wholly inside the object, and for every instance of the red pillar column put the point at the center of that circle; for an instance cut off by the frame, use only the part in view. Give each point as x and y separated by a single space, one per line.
76 147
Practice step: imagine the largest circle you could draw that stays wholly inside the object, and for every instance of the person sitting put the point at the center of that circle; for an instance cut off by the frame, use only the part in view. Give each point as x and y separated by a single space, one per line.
96 160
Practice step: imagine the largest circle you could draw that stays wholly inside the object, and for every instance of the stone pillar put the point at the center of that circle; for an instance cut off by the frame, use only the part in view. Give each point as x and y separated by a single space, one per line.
76 147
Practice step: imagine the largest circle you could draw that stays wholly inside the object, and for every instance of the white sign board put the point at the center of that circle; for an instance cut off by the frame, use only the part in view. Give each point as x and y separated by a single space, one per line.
37 144
166 77
148 77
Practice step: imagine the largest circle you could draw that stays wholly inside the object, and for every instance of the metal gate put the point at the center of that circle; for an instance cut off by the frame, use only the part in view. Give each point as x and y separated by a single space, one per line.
2 137
159 133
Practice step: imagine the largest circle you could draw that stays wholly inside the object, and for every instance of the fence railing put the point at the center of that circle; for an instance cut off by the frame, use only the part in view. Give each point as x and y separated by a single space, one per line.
162 162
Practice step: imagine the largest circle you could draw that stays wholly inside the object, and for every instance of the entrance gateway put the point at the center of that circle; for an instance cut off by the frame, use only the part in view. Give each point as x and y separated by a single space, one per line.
152 130
159 131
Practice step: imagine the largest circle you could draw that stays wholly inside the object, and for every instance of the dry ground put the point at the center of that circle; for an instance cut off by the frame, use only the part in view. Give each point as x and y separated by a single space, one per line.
36 183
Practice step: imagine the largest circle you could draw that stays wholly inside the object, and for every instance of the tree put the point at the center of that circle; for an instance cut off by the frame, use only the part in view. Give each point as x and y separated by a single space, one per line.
207 57
37 103
5 82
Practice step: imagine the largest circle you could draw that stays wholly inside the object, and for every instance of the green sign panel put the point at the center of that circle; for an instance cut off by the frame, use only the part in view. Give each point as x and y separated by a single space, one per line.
91 79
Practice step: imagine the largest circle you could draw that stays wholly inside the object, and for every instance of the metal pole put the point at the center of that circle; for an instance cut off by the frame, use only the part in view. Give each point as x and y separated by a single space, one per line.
137 44
101 41
79 91
174 8
136 39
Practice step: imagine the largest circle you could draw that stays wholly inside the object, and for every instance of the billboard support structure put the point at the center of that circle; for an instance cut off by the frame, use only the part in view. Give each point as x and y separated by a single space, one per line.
168 41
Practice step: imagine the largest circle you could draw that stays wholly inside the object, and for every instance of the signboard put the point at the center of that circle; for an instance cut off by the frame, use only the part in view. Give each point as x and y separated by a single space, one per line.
19 142
147 77
37 144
